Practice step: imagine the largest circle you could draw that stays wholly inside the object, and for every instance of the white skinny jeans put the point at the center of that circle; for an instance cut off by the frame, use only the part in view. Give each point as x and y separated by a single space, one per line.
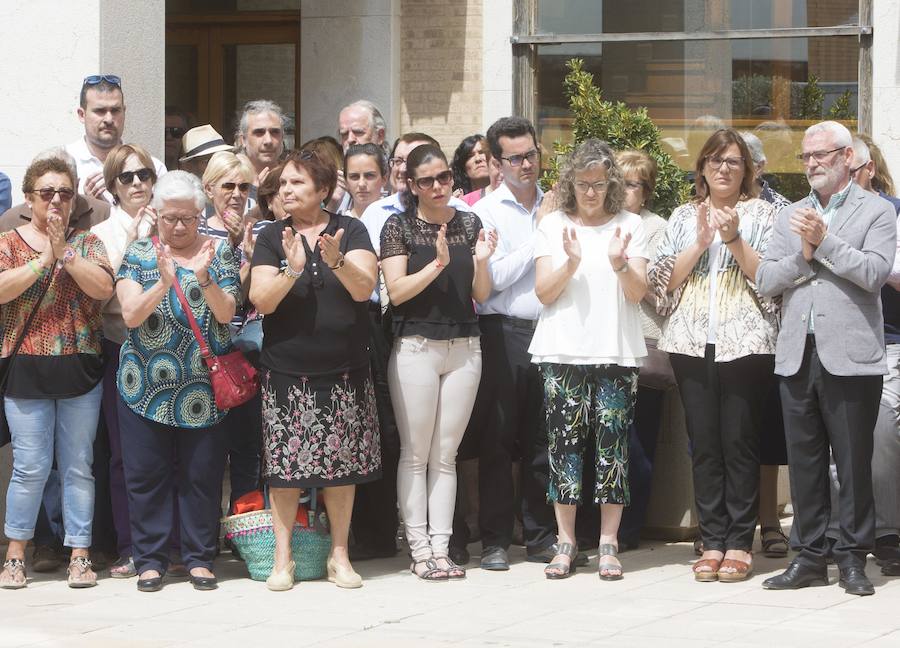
433 385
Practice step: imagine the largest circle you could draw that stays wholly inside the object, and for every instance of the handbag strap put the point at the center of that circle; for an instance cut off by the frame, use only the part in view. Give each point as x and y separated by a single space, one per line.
204 347
28 322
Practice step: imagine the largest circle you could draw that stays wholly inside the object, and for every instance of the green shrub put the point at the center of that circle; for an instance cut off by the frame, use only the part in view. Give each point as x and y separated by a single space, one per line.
622 128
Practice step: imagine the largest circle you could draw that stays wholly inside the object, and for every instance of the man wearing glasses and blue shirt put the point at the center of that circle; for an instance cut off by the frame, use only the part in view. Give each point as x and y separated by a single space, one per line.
102 111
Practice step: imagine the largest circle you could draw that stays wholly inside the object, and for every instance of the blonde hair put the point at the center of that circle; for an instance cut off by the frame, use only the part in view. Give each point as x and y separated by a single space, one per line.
223 163
641 165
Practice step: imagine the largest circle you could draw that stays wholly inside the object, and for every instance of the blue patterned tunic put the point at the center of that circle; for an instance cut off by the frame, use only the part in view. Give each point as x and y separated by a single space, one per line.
162 376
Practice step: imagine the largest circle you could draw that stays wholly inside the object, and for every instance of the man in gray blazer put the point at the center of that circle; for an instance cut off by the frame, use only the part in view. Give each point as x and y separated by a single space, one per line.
829 255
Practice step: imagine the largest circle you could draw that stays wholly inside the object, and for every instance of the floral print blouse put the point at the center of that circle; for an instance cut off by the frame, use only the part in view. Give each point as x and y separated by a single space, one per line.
746 323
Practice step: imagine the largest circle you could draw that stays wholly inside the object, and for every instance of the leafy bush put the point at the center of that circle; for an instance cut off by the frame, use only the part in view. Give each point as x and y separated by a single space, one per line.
622 128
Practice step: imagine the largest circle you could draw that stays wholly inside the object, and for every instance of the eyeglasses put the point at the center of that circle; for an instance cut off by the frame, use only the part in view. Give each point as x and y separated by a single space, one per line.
127 177
396 161
818 156
176 132
444 178
631 184
243 187
516 160
853 172
598 187
47 193
733 164
96 79
184 220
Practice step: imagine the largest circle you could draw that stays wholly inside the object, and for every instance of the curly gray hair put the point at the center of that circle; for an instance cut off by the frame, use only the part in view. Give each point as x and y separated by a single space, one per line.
588 154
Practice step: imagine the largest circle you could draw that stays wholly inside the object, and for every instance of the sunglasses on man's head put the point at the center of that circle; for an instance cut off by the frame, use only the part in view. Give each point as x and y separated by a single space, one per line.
95 79
127 177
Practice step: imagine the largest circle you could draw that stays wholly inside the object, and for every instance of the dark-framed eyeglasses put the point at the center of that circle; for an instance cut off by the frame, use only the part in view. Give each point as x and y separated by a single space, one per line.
733 163
818 156
243 187
443 178
127 177
169 219
598 187
396 161
175 132
517 160
853 172
631 184
96 79
47 193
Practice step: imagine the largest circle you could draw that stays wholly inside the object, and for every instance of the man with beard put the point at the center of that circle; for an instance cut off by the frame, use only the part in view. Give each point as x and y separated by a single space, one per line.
829 256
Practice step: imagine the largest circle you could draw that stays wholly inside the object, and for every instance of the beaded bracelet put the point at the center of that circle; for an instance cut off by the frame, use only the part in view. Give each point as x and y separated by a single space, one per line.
35 267
290 272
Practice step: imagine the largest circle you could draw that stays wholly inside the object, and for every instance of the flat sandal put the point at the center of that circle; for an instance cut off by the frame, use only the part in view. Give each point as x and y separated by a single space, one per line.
80 572
454 571
14 567
612 551
432 574
563 570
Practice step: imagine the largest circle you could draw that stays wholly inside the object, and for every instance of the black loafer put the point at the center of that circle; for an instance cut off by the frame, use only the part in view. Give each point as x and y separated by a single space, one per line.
459 555
854 581
796 576
494 559
150 584
891 568
204 583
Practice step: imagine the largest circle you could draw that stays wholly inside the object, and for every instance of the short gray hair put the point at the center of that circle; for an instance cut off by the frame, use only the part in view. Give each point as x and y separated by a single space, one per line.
258 106
755 145
376 119
590 153
861 152
58 153
840 136
178 185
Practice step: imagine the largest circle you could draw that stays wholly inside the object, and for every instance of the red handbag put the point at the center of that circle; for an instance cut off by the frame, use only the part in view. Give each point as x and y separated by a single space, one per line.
234 380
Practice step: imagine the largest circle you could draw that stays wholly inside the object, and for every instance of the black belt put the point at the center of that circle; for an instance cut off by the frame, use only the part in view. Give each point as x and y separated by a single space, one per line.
517 322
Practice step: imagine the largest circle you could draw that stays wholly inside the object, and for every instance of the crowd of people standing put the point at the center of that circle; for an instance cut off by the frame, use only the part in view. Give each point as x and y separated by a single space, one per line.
404 308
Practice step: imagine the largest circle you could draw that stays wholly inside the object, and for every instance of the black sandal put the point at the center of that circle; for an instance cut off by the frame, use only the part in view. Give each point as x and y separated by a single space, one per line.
433 573
454 571
774 542
563 570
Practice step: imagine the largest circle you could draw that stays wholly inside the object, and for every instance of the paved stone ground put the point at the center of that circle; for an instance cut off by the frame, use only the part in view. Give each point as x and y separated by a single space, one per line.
657 604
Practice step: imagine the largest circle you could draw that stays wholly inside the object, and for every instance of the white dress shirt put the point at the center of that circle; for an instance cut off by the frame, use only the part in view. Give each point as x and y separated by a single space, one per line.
87 165
114 234
512 265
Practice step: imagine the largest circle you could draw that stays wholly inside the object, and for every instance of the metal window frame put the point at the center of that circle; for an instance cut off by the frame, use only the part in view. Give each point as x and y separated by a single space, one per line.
524 45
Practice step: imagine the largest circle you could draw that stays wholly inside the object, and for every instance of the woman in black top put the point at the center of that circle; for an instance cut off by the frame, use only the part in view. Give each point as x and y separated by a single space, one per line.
435 262
312 274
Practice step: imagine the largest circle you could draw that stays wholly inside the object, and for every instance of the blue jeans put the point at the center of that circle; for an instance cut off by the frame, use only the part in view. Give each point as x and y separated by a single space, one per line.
41 427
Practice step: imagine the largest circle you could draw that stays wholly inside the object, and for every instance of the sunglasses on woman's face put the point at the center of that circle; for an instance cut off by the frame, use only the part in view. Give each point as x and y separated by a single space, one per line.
444 178
127 177
243 187
47 193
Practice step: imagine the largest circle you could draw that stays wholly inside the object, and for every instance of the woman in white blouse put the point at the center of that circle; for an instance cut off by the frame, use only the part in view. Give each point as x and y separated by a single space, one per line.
590 260
720 335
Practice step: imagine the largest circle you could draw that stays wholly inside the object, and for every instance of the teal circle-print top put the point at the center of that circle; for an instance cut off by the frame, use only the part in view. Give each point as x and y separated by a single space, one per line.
162 375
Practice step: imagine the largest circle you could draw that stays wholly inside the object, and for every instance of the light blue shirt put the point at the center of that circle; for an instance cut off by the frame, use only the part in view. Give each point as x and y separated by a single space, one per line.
512 265
376 216
827 212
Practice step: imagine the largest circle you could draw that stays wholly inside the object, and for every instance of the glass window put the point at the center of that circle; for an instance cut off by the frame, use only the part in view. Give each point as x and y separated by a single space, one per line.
618 16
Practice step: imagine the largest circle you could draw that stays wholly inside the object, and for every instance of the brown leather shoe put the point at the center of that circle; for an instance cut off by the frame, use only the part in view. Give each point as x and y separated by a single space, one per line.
741 571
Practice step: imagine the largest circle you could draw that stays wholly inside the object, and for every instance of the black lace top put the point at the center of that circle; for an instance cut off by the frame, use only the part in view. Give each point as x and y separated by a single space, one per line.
444 310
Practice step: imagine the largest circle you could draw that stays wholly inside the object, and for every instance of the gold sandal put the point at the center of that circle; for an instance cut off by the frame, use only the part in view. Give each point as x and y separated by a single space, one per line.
80 573
12 570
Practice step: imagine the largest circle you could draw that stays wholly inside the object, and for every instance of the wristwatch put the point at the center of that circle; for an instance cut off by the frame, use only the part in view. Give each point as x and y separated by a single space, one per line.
339 264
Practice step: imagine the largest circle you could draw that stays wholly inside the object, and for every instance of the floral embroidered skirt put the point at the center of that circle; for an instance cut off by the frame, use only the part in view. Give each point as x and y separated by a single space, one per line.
320 431
585 403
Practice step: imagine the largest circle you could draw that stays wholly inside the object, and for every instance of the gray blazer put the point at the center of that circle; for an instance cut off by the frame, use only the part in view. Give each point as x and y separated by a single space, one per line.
843 282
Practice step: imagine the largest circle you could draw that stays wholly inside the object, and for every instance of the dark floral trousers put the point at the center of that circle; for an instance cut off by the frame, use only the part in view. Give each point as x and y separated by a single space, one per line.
580 402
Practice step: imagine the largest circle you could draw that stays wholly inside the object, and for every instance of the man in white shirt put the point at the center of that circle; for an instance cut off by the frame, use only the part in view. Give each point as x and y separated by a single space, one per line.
375 505
102 111
507 417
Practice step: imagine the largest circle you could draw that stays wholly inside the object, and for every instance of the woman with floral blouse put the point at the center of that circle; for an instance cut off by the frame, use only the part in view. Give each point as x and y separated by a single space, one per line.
721 339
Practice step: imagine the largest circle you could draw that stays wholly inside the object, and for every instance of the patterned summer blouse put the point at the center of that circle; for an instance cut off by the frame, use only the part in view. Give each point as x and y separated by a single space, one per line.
162 376
61 355
746 322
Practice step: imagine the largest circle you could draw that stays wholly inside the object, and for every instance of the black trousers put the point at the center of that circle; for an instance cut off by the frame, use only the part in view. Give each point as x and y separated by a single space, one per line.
151 478
642 436
822 410
507 424
375 519
723 405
